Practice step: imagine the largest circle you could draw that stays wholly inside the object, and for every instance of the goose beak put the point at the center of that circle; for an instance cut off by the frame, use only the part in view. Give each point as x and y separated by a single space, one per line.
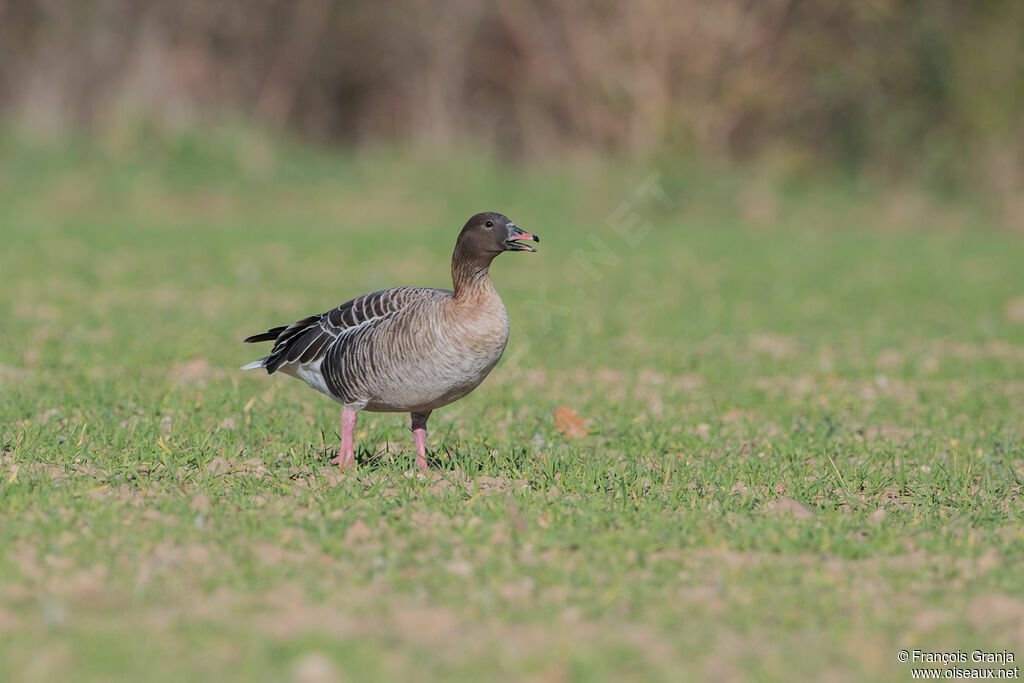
517 239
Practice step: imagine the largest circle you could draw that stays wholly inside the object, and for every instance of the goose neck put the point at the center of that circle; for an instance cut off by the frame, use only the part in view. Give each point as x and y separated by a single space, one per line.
471 274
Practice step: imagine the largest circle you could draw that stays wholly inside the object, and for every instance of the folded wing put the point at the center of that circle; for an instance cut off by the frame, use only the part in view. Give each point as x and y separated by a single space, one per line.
309 340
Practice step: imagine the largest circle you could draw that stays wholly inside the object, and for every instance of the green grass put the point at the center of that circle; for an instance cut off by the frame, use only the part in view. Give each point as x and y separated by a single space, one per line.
165 517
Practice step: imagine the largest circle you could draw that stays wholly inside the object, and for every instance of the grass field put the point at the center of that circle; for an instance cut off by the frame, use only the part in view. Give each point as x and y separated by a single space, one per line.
797 444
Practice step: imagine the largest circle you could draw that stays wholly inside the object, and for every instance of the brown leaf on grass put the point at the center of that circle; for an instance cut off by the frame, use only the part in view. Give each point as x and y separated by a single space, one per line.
569 423
788 506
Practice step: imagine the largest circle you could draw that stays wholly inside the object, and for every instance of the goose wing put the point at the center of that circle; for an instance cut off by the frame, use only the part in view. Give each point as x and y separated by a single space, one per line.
308 340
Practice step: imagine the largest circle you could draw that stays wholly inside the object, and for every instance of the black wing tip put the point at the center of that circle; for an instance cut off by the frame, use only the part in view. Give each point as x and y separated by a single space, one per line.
269 335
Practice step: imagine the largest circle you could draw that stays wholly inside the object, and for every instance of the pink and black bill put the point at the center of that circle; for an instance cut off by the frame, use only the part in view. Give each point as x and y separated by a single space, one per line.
518 238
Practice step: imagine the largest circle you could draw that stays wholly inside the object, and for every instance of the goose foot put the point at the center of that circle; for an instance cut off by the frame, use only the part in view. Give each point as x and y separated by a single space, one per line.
346 455
419 434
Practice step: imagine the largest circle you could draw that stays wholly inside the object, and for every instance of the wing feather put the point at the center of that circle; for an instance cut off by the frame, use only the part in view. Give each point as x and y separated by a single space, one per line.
343 331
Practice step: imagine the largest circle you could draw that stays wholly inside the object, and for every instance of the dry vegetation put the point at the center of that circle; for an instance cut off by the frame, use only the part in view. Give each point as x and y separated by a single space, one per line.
928 87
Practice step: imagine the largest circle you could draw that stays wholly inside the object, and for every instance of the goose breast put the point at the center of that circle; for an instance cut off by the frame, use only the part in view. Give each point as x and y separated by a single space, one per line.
437 354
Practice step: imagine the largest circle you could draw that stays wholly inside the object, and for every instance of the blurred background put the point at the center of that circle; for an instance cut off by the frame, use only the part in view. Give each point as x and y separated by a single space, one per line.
932 91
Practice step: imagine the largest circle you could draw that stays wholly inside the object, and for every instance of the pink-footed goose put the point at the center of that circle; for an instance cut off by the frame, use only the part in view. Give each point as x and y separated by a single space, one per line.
407 349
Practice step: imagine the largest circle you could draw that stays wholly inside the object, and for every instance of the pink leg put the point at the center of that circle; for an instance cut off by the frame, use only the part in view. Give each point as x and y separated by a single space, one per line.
419 434
347 456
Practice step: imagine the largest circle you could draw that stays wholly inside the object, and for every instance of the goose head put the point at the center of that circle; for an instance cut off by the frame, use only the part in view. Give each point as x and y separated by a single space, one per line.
490 233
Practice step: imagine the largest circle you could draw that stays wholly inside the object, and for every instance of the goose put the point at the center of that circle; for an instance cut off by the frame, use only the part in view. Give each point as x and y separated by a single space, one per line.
407 349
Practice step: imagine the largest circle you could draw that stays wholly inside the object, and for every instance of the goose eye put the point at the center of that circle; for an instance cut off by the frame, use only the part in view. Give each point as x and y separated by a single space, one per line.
489 224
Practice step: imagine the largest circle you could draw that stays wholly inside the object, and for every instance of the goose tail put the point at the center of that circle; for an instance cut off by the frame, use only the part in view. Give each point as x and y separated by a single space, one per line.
269 335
